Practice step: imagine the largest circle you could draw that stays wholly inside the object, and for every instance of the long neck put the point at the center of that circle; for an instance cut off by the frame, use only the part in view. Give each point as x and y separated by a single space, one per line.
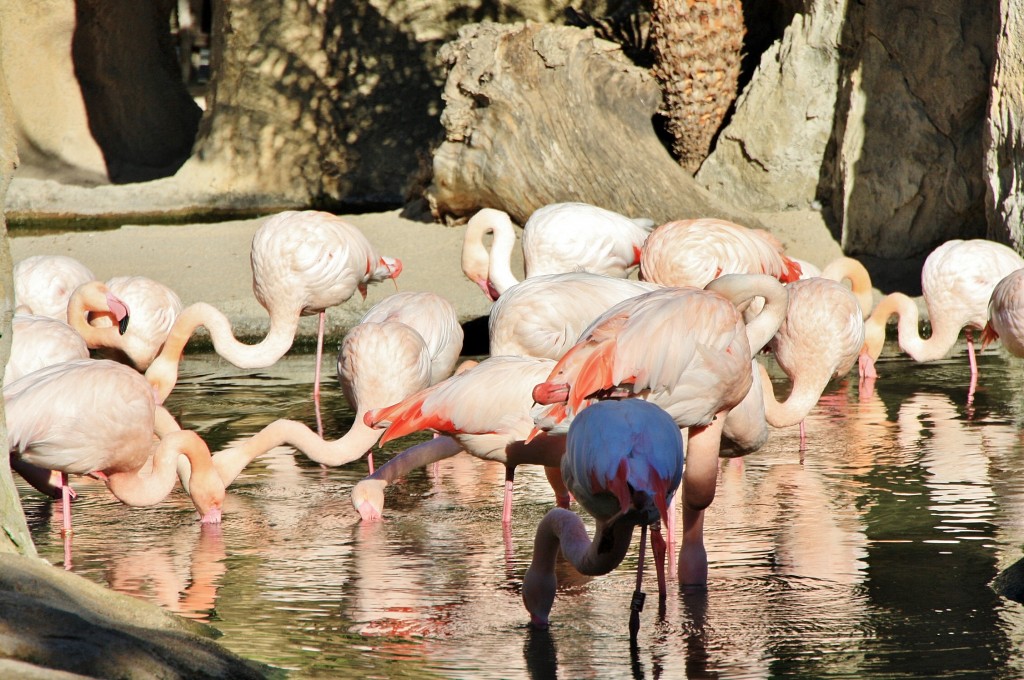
935 347
95 337
163 372
741 288
847 268
135 489
500 269
563 530
802 398
230 462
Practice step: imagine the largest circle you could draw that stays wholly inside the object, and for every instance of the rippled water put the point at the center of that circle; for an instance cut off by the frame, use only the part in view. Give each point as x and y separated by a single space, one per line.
869 556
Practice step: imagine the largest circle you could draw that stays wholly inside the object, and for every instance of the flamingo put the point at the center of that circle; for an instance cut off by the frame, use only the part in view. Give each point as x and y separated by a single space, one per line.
484 409
695 252
402 344
623 463
39 341
302 263
99 417
819 339
91 298
1005 321
44 283
559 237
434 318
686 350
154 309
957 281
543 315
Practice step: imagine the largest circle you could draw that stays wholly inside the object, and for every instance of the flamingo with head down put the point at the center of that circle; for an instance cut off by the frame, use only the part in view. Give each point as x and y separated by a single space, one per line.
623 463
154 306
820 338
957 281
302 263
687 350
559 237
99 417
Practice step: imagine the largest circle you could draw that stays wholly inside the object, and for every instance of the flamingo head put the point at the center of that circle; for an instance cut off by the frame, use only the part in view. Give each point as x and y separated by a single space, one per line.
120 311
206 488
368 499
551 393
393 265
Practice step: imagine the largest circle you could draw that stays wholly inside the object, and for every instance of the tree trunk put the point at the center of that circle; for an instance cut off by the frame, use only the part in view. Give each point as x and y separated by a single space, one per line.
1004 134
539 114
14 534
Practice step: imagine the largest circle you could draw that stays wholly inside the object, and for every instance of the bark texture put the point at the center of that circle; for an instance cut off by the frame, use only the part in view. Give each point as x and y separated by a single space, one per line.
538 114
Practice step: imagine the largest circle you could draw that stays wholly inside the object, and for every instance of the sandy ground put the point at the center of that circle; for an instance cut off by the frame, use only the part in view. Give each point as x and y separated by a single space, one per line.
210 262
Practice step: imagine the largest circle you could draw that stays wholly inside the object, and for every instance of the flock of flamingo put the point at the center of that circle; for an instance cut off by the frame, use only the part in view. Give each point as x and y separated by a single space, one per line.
596 376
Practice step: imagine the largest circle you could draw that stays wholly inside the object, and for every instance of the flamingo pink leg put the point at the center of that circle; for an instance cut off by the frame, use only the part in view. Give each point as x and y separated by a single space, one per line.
67 531
803 435
638 595
659 548
316 374
973 363
700 477
506 508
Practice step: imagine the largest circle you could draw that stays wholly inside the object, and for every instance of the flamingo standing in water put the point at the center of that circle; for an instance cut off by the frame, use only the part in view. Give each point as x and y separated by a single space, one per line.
99 417
543 315
302 263
623 463
695 252
39 341
957 281
820 338
43 284
686 350
1006 314
154 307
560 237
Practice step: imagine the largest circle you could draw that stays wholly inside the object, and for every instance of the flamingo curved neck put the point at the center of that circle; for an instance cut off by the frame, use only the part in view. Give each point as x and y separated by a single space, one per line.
138 490
78 318
563 531
802 398
936 346
163 372
499 267
740 288
847 268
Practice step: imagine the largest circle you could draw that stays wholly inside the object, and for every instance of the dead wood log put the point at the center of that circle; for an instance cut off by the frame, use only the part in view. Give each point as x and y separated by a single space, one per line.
538 114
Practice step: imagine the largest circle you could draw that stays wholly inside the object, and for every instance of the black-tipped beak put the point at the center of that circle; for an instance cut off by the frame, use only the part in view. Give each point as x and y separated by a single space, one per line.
122 325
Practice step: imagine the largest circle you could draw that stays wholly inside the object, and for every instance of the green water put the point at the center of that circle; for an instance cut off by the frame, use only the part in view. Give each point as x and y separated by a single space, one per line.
869 555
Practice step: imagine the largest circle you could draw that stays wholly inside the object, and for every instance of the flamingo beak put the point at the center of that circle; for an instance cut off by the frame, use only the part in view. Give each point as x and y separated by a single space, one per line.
120 311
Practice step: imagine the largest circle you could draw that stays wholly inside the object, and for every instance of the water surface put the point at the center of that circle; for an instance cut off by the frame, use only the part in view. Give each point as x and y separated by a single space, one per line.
868 555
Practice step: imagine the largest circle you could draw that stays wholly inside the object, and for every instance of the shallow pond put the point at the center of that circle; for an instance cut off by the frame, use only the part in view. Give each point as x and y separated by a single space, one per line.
869 556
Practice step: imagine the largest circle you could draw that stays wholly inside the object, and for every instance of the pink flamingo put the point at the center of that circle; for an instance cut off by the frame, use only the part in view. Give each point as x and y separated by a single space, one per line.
543 315
957 281
43 284
686 350
91 298
98 417
302 263
695 252
819 339
403 344
39 341
560 237
1005 317
430 315
623 463
485 410
154 308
